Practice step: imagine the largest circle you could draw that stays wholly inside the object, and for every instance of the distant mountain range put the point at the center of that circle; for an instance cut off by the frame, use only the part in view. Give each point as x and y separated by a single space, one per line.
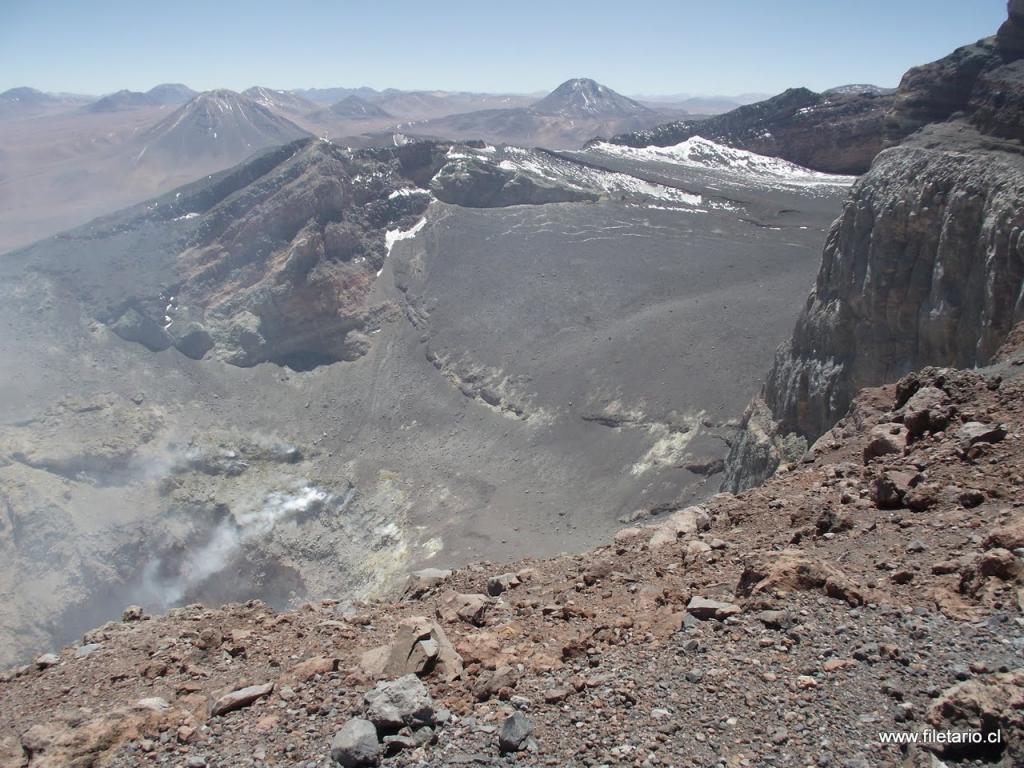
69 157
28 102
280 101
354 107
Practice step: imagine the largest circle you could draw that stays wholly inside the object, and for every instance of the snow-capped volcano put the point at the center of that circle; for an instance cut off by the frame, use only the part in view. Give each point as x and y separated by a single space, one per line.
585 98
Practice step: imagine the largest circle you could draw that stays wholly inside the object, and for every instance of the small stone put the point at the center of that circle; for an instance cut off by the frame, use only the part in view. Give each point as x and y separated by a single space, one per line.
970 498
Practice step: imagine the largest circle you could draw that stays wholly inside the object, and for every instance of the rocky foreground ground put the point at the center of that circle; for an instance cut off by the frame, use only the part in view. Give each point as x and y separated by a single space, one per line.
876 586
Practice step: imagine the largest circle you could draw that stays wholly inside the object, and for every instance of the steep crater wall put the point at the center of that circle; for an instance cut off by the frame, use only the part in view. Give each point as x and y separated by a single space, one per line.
925 266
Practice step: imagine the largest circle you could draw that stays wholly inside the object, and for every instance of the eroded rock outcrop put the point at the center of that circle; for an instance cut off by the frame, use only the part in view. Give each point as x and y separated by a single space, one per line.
280 269
925 266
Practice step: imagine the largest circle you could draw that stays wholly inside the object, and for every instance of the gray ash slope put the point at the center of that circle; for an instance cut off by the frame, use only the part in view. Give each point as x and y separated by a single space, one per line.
309 373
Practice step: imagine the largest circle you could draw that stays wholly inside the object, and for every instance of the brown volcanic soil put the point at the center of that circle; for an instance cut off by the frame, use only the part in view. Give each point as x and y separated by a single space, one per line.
853 615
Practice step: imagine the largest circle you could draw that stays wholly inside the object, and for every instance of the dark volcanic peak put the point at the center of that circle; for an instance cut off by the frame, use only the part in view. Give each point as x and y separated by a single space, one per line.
358 108
283 101
218 124
123 99
583 97
169 94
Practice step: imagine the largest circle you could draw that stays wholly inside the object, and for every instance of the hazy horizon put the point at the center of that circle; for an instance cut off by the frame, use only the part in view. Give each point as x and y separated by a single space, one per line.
659 49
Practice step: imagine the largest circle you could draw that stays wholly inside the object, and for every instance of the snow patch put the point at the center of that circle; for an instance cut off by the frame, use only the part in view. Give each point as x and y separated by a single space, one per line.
698 152
392 236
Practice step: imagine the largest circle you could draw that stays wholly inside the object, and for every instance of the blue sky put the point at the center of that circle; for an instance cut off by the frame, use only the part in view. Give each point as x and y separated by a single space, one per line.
635 47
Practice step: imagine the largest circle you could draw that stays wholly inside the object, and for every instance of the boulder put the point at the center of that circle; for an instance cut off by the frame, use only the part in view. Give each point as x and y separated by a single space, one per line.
987 704
132 614
890 488
885 439
503 582
514 733
423 581
927 410
310 668
685 522
471 609
137 327
47 660
791 570
976 432
393 705
494 684
704 608
1009 535
421 647
356 745
243 697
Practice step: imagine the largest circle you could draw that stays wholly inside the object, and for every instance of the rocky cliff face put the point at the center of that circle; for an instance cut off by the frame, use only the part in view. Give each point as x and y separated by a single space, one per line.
830 132
924 267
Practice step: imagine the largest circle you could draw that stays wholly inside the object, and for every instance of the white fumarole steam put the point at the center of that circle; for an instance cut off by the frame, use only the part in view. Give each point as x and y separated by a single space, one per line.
226 540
